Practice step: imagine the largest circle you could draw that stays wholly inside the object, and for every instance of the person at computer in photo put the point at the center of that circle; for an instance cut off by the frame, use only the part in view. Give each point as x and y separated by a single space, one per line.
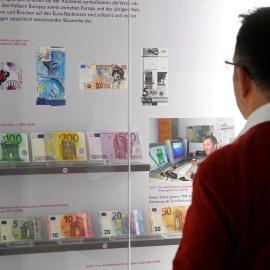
209 145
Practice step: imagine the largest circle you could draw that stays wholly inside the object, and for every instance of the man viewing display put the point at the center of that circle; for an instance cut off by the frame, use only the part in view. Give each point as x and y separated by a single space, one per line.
227 224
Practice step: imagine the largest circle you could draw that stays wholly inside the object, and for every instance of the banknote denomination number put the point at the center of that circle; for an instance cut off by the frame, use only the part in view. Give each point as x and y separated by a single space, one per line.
41 101
99 85
68 219
55 235
70 137
4 238
15 223
106 232
13 138
117 215
124 136
166 211
157 229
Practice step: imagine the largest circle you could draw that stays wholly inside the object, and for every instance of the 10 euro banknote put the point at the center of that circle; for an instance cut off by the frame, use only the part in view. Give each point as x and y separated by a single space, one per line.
113 223
14 147
10 76
69 226
103 77
167 219
20 229
114 145
58 146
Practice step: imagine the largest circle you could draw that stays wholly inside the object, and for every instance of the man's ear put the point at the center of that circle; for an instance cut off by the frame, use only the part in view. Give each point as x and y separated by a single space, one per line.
244 82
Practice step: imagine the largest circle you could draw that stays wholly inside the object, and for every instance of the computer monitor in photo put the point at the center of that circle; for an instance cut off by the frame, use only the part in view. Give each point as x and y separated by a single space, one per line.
175 150
158 152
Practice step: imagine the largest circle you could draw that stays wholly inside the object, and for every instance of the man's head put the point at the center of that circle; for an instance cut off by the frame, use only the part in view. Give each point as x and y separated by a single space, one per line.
252 61
209 144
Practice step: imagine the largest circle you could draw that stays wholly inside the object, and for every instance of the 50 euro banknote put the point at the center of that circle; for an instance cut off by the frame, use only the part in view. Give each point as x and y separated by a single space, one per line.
69 226
20 229
10 76
167 219
14 147
114 145
58 146
114 223
103 77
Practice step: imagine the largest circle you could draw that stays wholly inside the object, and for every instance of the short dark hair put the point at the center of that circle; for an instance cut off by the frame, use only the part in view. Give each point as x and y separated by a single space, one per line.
252 50
213 139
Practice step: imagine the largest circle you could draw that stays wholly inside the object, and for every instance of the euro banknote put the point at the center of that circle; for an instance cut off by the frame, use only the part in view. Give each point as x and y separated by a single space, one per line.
115 223
69 226
167 219
20 229
10 76
14 147
50 72
103 77
114 145
58 146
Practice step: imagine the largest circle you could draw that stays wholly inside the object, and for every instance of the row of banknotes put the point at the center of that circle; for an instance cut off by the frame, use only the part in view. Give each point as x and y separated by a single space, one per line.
69 146
167 219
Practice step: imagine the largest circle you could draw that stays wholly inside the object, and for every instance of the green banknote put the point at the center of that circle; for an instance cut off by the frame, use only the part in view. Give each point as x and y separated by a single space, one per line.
14 147
20 229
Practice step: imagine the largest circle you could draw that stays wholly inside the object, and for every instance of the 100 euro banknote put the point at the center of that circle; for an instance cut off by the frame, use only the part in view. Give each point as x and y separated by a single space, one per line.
10 76
50 72
20 229
113 223
114 145
69 226
58 146
167 219
103 77
14 147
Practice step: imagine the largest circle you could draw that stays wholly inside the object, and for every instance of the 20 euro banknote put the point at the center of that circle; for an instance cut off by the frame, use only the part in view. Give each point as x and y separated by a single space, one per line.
69 226
20 229
114 145
113 223
14 147
58 146
103 77
167 219
10 76
50 72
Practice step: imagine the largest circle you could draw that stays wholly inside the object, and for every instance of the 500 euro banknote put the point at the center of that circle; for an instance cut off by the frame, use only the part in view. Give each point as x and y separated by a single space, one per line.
114 145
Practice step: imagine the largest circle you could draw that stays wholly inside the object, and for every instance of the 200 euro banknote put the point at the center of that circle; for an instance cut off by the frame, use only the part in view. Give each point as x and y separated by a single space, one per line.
14 147
20 229
10 76
103 77
114 145
167 219
69 226
113 223
58 146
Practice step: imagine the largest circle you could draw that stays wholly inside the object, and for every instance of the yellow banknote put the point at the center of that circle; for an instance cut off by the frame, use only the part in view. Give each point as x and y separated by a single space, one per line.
58 146
167 219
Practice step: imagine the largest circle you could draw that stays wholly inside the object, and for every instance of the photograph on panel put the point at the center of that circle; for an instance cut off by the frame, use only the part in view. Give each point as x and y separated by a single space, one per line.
177 146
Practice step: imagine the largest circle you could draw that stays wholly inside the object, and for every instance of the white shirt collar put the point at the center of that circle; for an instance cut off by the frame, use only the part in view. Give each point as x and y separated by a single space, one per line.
260 115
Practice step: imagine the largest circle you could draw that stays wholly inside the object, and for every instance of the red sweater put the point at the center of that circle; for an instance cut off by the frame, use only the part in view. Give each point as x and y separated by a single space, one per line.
228 223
